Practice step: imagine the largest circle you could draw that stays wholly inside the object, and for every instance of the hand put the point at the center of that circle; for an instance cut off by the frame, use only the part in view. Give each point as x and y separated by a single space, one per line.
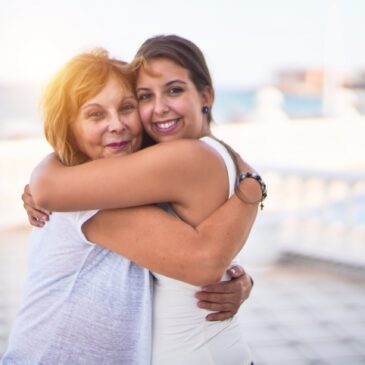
36 215
226 297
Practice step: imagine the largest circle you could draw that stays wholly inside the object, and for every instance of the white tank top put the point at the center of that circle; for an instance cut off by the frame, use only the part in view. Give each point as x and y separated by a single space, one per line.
181 334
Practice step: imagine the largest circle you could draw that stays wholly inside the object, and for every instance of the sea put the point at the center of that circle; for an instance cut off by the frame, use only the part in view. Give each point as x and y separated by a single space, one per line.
20 116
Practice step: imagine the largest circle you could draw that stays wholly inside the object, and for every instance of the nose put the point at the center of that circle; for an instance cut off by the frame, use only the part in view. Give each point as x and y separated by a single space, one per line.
161 106
116 123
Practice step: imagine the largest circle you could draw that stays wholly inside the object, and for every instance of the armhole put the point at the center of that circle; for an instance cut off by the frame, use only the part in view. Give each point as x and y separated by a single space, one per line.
229 163
80 219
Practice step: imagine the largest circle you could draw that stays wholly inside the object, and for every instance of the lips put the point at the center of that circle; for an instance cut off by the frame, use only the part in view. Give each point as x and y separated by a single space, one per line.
166 126
118 145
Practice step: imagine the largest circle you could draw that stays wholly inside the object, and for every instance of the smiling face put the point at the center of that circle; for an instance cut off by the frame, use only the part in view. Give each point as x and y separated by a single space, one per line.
170 105
108 124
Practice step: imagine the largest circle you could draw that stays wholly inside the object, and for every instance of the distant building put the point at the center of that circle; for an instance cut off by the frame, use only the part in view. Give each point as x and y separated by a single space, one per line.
357 81
305 81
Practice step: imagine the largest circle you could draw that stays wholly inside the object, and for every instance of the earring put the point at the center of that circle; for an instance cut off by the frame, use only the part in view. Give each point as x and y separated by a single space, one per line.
205 110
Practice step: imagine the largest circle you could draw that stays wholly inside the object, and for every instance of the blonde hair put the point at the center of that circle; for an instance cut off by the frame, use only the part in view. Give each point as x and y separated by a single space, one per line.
82 78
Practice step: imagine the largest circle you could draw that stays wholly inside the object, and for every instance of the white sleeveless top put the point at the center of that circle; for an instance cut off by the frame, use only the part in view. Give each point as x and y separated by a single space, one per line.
181 334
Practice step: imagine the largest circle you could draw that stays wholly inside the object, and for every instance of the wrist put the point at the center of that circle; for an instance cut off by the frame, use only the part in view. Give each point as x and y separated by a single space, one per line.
250 188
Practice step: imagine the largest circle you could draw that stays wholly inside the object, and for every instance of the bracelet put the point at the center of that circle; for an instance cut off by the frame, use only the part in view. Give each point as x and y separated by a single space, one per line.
252 175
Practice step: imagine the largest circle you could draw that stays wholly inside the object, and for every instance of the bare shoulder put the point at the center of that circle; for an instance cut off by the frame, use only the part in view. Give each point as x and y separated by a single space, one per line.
189 151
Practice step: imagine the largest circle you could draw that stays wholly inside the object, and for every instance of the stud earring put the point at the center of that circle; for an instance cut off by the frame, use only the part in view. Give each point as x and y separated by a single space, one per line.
205 110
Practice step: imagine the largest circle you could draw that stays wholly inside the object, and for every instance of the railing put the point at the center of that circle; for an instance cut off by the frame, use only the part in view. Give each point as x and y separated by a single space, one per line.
318 214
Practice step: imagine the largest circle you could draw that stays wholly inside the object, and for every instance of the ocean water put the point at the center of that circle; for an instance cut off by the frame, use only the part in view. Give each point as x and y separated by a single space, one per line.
19 107
235 105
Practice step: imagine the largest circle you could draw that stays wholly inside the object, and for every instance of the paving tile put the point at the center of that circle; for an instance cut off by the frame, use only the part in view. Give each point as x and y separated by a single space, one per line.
286 354
349 360
335 350
311 332
340 315
264 336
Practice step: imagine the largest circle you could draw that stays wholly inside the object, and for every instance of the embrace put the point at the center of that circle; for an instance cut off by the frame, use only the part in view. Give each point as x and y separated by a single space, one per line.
149 210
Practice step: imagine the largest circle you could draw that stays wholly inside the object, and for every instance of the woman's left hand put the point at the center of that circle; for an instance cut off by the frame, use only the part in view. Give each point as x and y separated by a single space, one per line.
226 297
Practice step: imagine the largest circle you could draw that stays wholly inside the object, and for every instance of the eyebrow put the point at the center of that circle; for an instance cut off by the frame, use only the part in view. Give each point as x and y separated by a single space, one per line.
167 84
131 97
174 81
90 105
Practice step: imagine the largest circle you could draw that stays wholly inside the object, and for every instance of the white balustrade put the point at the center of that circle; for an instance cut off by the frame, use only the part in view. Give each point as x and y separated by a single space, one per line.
319 214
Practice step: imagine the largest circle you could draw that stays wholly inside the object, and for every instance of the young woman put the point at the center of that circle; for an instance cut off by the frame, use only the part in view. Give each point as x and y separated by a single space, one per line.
180 108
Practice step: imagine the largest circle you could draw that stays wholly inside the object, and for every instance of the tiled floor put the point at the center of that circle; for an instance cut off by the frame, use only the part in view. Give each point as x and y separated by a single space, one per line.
297 315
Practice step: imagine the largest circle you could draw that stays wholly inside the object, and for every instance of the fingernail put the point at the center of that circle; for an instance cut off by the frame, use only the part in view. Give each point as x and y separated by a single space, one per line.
232 270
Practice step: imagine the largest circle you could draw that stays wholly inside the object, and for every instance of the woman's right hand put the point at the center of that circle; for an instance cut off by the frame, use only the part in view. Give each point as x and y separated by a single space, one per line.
36 215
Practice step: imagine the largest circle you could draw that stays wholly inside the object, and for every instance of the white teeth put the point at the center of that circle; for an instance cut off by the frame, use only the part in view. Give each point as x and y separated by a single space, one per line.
167 125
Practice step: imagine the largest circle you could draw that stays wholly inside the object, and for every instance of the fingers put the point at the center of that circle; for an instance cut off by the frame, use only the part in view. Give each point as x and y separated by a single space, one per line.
236 271
215 307
220 316
221 311
27 189
221 287
35 222
218 298
28 200
36 216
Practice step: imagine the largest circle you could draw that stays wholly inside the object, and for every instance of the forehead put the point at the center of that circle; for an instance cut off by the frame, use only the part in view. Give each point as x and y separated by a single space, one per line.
114 88
162 68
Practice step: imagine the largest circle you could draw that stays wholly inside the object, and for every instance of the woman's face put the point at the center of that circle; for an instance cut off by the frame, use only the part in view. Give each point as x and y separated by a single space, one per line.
108 124
170 105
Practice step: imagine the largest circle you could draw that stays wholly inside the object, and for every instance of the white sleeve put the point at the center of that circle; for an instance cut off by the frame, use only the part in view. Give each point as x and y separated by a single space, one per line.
80 219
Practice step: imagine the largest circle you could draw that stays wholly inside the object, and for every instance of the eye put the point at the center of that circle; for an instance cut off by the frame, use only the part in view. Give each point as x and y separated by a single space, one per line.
126 108
175 90
144 97
95 115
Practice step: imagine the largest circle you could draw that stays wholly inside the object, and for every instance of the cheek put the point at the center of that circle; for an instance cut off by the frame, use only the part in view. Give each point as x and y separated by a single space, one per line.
137 129
93 136
134 123
145 113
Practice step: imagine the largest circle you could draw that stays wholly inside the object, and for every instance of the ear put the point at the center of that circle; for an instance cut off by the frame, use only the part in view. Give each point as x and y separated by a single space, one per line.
207 96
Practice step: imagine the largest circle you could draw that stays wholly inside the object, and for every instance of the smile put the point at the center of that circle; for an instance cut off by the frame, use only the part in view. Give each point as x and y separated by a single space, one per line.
122 145
167 126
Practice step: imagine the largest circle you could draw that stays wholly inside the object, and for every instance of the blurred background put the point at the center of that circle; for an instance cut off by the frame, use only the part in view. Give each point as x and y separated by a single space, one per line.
290 97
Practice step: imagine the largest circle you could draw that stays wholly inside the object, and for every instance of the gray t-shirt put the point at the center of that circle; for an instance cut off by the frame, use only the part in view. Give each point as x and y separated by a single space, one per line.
82 304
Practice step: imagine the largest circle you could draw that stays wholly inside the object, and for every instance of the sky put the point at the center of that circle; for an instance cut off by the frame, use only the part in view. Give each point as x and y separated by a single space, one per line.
245 41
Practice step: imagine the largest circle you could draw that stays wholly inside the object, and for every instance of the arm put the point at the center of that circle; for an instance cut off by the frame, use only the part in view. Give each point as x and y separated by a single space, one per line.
156 240
224 297
144 177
